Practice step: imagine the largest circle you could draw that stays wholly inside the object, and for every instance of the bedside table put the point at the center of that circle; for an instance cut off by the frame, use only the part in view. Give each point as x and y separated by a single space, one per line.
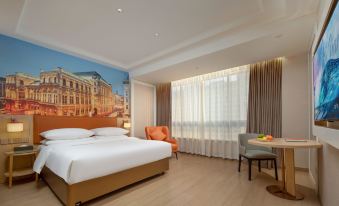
20 172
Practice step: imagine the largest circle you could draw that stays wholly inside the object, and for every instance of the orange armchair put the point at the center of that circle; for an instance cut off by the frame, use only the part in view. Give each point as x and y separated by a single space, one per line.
161 133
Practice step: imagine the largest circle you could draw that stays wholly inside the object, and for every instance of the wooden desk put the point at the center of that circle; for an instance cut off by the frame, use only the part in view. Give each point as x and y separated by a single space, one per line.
23 172
287 190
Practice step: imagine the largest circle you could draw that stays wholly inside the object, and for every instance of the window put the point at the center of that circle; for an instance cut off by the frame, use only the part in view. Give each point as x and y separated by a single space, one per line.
64 99
64 82
76 85
71 100
212 110
71 84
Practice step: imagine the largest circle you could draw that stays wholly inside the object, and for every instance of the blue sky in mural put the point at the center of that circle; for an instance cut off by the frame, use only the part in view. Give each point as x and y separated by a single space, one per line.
21 56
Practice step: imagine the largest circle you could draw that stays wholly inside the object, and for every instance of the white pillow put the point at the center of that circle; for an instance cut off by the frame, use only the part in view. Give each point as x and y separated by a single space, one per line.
109 131
116 137
66 133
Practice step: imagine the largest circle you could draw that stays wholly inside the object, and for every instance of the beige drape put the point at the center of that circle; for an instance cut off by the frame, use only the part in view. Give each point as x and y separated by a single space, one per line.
164 109
264 103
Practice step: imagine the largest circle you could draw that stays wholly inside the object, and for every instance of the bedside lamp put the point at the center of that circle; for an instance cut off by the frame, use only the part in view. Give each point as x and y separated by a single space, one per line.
127 125
17 127
14 127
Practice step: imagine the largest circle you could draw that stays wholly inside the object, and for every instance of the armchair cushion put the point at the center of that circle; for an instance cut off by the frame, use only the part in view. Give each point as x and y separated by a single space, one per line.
258 154
158 135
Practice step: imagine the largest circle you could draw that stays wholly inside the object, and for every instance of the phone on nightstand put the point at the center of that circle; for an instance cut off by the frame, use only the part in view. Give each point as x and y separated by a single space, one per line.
23 148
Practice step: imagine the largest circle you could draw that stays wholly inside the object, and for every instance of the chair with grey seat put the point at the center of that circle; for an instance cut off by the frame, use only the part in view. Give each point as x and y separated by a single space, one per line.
252 152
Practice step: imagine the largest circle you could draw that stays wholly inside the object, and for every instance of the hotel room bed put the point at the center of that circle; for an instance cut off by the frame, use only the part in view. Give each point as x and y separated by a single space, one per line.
81 170
84 159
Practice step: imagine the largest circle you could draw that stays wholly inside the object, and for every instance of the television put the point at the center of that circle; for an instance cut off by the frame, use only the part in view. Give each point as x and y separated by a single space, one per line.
326 72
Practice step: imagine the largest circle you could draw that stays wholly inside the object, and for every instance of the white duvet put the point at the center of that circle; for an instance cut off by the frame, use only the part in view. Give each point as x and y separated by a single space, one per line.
79 160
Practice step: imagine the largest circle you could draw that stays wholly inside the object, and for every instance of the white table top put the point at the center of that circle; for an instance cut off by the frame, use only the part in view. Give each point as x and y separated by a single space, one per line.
281 143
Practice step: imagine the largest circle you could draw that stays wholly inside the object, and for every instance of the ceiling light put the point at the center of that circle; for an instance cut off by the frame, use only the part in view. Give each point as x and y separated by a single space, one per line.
119 10
277 36
156 34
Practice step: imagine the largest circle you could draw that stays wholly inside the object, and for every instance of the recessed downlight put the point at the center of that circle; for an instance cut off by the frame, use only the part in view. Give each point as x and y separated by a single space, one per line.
156 34
277 36
119 10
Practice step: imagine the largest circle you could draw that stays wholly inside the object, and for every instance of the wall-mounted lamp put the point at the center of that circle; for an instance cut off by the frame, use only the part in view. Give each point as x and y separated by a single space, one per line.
127 125
13 127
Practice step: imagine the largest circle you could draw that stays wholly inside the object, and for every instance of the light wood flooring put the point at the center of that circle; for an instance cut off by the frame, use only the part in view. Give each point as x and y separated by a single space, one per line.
191 180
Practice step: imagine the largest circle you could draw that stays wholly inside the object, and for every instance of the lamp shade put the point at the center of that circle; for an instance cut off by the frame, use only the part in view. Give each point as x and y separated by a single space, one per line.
127 125
15 127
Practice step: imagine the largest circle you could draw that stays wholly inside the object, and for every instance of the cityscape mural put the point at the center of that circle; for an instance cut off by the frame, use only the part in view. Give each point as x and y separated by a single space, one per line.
37 80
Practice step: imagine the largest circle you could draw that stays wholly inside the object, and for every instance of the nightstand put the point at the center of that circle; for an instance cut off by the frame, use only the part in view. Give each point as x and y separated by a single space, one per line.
20 172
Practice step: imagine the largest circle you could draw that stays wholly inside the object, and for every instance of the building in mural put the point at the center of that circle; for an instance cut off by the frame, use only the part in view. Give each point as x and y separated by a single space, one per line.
62 93
126 98
2 92
102 97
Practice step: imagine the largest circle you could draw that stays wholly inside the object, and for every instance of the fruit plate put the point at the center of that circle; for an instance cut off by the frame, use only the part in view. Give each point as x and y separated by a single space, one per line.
264 140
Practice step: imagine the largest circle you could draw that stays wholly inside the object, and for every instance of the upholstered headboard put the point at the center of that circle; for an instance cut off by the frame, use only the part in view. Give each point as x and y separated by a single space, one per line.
44 123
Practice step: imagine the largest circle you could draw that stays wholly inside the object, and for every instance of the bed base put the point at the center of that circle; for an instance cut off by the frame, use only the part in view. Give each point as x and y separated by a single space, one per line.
81 192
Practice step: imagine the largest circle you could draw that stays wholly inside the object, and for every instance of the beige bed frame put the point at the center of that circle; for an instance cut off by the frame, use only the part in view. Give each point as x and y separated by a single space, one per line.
81 192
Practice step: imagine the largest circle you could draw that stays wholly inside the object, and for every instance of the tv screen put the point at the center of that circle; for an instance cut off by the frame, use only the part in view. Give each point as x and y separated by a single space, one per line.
326 69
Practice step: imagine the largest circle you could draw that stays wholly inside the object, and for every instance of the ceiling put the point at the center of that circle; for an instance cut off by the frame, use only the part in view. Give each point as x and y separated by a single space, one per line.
194 36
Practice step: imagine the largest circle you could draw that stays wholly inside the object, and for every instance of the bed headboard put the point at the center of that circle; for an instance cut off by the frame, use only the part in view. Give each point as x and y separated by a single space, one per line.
44 123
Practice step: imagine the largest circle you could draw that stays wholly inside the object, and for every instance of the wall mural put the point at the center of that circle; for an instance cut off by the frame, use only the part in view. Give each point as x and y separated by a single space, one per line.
37 80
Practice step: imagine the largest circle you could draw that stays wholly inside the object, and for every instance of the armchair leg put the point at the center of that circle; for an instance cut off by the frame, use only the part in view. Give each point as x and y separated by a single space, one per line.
259 165
176 155
249 169
275 169
239 163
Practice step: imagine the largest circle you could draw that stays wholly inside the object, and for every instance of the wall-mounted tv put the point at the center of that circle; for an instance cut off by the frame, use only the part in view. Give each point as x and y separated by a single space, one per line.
326 71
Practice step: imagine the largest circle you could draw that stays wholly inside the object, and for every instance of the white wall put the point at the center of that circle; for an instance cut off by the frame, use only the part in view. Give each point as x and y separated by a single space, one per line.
295 103
143 107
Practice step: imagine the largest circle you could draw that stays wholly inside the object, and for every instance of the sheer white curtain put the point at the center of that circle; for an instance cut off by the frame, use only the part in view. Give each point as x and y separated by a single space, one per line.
209 111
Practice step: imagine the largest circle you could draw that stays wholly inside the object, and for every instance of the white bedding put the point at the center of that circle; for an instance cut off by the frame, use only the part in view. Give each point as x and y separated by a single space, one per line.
79 160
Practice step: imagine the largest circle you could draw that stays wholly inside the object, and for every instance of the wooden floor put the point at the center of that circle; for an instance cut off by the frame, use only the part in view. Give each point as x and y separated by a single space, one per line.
191 180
